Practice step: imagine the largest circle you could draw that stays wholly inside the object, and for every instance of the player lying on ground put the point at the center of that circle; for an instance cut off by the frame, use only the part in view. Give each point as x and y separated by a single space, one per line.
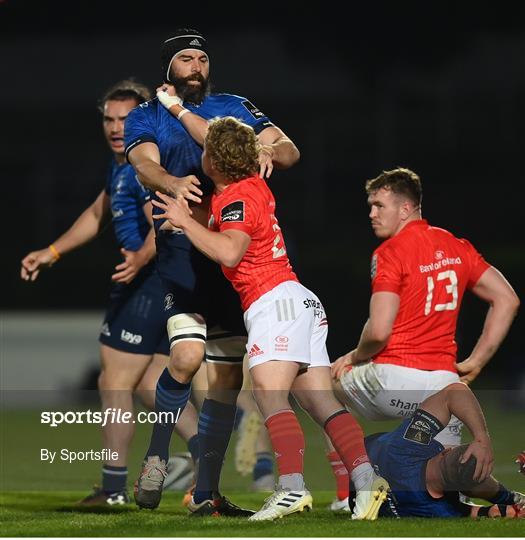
425 478
419 274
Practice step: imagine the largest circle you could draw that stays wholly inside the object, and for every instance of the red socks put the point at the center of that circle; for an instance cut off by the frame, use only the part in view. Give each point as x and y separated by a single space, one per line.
347 437
342 479
287 440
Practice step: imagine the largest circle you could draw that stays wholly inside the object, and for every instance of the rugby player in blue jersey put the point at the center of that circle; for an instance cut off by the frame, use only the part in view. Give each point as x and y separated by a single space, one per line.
133 343
426 479
200 306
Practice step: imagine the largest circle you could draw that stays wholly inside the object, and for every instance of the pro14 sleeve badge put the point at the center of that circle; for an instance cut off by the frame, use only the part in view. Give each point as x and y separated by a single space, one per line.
233 212
252 109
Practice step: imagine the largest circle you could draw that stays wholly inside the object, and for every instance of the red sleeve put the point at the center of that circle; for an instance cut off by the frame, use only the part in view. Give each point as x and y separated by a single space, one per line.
478 264
386 271
238 214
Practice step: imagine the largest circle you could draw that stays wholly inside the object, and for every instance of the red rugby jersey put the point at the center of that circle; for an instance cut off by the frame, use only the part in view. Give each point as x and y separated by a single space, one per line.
429 268
249 206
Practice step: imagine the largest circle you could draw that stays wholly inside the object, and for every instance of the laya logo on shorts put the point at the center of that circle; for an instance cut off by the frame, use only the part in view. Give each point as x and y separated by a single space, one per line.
168 301
233 212
128 337
252 109
255 351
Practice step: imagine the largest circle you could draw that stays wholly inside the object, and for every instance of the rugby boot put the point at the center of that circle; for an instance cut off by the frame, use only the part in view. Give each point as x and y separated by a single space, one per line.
283 502
148 487
220 506
368 500
99 497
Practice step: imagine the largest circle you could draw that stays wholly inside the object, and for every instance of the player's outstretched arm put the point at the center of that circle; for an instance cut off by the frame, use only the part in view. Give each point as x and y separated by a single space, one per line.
84 229
145 159
504 303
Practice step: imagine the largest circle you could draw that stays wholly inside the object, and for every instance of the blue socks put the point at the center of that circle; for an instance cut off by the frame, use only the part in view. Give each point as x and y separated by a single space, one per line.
264 465
193 448
171 396
215 427
114 479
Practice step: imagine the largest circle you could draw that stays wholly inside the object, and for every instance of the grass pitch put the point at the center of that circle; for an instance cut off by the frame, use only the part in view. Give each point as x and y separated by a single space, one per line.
38 498
53 514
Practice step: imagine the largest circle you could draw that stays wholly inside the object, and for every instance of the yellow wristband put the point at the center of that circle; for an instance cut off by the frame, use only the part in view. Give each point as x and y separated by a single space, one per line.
54 251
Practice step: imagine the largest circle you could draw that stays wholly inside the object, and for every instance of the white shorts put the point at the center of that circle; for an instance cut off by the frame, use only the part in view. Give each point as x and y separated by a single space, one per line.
287 323
388 391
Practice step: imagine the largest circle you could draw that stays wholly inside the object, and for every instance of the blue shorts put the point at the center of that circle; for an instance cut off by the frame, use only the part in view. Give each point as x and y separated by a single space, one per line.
134 320
195 284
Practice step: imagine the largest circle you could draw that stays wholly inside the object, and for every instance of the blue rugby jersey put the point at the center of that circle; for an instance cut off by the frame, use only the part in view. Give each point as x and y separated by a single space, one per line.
128 197
180 155
401 460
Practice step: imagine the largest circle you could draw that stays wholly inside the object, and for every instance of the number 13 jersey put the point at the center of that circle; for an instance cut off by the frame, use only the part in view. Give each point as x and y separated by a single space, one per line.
249 206
429 268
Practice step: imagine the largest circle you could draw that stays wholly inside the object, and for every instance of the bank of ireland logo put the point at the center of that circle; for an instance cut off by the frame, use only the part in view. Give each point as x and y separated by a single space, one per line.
439 255
373 267
168 301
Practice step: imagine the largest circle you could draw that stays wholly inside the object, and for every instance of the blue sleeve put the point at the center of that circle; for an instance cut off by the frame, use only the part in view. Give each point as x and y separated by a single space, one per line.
139 128
140 193
244 110
416 436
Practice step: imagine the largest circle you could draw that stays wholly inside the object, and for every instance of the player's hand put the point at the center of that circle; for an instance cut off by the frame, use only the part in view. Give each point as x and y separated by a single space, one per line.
338 367
167 100
468 370
35 260
128 270
168 88
266 155
521 462
187 187
176 211
482 451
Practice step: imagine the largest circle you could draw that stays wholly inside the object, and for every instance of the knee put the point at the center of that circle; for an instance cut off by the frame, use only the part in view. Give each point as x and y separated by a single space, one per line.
110 379
185 359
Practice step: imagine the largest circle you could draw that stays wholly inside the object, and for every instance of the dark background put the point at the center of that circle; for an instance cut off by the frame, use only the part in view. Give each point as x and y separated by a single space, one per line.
433 86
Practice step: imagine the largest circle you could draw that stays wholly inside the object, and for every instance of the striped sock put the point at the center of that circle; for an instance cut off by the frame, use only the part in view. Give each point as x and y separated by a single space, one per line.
114 479
287 440
170 396
341 474
347 437
193 448
215 429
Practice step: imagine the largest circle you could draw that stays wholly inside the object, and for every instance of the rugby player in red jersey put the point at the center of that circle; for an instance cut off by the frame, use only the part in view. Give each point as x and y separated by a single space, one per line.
286 322
407 349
